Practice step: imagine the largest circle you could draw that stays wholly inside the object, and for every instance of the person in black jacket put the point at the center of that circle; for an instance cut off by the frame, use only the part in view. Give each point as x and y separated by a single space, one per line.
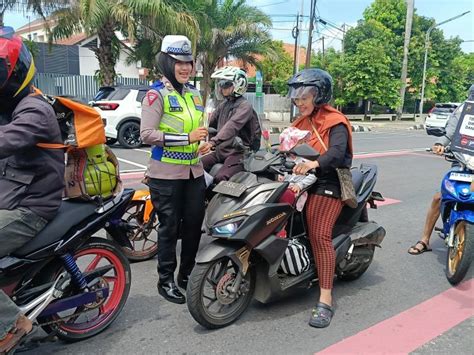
234 117
31 178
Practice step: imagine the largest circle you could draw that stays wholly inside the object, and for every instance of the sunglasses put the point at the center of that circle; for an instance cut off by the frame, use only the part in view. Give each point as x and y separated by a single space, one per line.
225 84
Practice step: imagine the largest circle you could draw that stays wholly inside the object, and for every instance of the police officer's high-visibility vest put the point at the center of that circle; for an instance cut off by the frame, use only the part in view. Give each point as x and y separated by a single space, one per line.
181 114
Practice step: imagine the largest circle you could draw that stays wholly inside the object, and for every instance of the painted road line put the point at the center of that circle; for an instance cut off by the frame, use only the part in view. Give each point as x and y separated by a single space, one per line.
142 150
388 201
132 163
412 328
131 176
387 153
126 171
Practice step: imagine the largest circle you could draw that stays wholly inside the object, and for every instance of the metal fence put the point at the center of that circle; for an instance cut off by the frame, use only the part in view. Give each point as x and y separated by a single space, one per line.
80 87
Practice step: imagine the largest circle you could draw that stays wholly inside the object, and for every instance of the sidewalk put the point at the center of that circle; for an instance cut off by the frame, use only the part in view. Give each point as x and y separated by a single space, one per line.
357 126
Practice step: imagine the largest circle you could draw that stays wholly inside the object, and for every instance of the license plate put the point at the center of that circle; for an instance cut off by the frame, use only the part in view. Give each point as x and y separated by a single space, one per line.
461 177
230 188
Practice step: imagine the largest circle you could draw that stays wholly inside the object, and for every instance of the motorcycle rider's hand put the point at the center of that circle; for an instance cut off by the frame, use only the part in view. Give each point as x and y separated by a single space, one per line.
295 188
303 168
198 134
438 149
205 147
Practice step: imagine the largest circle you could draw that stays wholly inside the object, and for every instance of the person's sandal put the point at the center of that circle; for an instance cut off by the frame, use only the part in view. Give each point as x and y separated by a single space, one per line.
321 315
415 251
16 336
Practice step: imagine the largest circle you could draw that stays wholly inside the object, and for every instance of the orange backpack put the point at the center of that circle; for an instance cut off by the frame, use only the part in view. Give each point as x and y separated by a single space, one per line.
92 171
81 125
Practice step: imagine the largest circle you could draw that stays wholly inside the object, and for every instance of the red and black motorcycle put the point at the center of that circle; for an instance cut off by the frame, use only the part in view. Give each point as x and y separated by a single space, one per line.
67 281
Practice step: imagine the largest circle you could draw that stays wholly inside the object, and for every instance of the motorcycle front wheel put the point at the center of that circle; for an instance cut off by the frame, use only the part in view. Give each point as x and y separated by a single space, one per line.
144 238
459 257
210 296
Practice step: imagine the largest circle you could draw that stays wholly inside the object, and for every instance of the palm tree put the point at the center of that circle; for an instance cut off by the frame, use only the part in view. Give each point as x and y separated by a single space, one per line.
106 18
228 29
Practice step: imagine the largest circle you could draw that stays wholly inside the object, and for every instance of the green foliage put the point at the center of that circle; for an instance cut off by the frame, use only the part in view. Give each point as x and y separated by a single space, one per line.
32 47
134 19
371 65
277 72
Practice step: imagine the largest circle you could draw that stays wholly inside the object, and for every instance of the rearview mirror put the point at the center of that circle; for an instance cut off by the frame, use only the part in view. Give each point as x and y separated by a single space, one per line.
305 151
436 131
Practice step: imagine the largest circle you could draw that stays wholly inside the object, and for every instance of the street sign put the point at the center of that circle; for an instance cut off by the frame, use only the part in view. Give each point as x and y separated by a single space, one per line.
463 141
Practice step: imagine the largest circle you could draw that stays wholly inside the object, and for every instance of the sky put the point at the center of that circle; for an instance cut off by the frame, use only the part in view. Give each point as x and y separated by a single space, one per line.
339 12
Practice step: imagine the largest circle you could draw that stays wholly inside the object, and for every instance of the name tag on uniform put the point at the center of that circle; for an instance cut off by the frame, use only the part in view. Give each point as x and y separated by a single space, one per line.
174 104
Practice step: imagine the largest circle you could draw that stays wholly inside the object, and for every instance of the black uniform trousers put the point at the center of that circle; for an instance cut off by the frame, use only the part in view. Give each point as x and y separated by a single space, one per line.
180 206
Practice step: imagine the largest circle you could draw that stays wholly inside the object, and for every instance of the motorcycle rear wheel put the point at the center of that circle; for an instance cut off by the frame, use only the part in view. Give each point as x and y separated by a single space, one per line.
208 295
95 253
459 257
360 268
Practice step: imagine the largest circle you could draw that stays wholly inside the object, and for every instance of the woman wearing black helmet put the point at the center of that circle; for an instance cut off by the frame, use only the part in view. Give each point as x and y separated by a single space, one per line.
310 91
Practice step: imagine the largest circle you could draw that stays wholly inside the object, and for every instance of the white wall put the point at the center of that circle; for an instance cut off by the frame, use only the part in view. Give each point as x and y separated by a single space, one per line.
88 64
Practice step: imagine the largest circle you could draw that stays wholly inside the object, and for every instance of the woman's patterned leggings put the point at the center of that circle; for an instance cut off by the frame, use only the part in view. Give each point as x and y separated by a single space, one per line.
321 215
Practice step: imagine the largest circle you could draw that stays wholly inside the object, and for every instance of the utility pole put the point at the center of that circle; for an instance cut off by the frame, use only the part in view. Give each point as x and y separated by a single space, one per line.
310 36
322 58
403 78
295 34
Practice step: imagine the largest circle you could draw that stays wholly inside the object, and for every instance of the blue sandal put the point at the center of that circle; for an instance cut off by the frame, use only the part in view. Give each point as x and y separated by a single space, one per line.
321 315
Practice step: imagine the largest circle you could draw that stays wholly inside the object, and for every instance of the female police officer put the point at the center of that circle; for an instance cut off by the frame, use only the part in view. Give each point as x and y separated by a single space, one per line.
171 116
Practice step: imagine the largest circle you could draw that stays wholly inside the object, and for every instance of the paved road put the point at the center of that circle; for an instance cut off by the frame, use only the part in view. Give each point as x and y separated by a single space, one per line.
386 301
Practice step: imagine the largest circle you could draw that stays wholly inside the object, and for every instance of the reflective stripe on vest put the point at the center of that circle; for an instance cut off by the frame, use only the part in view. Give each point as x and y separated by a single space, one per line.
181 114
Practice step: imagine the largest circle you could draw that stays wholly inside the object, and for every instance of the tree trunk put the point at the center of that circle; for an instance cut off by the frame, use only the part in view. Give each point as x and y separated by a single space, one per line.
206 79
403 78
105 56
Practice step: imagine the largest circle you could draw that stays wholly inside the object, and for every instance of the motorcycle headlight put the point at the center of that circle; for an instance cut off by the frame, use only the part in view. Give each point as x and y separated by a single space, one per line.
226 229
448 185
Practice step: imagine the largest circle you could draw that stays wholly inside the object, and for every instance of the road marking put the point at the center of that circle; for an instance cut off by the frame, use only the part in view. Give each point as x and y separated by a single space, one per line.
142 150
131 163
409 330
132 176
387 153
388 201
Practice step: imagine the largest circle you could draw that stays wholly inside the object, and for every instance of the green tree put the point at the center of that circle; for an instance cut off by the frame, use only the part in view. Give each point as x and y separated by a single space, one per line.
40 7
277 72
228 29
106 18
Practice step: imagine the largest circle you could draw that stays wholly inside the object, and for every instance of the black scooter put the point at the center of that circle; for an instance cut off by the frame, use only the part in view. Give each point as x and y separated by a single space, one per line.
65 280
243 261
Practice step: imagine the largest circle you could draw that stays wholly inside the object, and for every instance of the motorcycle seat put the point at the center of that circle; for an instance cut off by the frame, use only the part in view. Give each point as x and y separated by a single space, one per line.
69 215
357 179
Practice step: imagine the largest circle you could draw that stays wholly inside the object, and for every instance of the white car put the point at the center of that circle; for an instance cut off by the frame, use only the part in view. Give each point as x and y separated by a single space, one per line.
438 116
120 107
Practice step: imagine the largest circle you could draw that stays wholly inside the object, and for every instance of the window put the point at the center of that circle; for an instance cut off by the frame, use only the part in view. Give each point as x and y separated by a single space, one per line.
141 95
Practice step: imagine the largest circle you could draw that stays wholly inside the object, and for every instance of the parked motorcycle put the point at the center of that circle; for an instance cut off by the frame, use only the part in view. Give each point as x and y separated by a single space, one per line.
457 213
69 282
142 234
244 217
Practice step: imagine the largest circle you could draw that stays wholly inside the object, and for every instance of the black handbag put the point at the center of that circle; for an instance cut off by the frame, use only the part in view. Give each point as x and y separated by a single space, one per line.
348 195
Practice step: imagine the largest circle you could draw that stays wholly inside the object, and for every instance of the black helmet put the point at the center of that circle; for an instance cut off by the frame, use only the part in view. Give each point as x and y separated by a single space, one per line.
315 81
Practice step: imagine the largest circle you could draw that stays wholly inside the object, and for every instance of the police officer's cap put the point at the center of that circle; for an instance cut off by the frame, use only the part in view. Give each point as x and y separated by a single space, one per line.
178 47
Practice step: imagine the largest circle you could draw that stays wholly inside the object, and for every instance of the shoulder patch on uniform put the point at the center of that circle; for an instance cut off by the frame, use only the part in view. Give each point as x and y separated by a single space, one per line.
151 97
190 86
157 85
